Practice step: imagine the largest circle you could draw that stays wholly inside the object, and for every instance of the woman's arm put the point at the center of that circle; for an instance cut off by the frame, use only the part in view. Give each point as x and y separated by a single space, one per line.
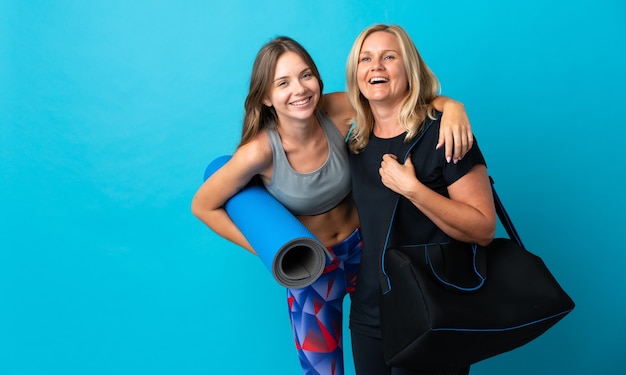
208 202
469 214
455 132
340 111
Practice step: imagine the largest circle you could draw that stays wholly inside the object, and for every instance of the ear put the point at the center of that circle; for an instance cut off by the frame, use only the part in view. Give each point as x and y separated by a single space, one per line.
267 102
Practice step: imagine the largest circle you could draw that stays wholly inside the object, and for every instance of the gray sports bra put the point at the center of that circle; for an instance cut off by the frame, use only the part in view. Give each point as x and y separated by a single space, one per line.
315 192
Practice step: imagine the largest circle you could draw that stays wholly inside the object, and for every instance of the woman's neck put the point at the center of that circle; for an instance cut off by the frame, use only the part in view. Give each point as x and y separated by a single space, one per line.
386 124
295 131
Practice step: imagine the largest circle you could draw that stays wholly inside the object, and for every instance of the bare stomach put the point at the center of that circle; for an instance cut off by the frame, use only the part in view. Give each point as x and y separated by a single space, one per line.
335 225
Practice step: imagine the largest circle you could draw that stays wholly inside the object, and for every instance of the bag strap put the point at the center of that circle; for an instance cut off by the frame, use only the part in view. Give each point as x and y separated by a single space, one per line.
384 279
503 216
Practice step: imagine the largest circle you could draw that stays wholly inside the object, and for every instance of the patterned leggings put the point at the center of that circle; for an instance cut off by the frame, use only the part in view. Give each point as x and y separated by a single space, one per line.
316 311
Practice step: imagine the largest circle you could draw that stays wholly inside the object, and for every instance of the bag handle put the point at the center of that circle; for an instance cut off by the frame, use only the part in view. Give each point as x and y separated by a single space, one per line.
504 216
384 278
464 279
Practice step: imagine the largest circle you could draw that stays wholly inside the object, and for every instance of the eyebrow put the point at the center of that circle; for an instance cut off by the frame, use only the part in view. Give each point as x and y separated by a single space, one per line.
384 51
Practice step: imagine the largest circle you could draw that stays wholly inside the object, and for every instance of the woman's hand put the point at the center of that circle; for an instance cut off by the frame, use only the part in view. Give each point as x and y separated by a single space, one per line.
455 132
398 177
467 215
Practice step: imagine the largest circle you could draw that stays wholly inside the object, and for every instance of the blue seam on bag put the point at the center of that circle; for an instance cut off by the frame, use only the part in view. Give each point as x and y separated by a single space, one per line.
385 249
425 244
502 329
441 280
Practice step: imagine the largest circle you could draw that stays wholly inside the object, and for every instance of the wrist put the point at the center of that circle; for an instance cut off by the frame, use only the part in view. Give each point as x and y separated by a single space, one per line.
413 192
452 103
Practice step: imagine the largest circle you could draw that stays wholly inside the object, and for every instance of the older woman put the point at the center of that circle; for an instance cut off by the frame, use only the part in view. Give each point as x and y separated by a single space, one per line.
392 91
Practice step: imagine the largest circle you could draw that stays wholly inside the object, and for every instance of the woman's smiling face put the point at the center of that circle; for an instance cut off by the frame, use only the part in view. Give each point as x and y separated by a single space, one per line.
295 91
381 74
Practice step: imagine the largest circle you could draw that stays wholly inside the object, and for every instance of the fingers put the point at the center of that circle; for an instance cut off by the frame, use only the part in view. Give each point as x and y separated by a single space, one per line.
398 177
455 133
457 141
446 140
470 141
387 165
459 145
463 143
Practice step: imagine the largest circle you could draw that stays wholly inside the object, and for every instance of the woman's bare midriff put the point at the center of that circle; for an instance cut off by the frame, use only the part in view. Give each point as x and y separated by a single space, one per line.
335 225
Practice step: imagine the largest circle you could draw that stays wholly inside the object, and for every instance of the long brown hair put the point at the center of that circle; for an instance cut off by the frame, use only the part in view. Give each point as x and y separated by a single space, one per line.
258 115
422 90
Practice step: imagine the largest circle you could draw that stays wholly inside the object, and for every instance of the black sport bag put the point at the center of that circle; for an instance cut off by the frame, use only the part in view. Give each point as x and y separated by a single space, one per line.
447 306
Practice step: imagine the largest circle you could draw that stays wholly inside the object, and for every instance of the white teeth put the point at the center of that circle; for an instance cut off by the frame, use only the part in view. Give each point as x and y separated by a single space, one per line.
378 79
301 102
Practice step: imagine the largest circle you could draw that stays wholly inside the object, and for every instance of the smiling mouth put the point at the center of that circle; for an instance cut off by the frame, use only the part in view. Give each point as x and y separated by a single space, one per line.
378 80
301 102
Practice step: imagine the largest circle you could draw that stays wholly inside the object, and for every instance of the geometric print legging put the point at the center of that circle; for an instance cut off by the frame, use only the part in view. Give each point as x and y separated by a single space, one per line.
316 311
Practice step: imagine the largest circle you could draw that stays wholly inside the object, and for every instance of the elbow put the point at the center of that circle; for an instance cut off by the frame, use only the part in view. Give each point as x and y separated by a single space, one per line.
204 212
484 241
194 211
487 235
196 208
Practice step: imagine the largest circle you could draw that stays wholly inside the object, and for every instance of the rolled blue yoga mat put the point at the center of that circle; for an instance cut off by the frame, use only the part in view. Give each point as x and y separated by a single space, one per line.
287 248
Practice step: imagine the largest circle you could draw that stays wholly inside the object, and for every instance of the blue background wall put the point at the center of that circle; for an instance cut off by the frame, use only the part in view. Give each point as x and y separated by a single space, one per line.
110 110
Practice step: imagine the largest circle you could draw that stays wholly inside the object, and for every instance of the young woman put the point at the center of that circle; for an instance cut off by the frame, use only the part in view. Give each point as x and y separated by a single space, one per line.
393 92
294 142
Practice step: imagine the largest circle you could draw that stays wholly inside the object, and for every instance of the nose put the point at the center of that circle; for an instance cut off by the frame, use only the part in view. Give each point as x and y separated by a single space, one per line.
377 64
299 87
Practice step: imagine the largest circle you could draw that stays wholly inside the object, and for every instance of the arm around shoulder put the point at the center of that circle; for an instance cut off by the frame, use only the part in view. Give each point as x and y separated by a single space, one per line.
455 132
339 109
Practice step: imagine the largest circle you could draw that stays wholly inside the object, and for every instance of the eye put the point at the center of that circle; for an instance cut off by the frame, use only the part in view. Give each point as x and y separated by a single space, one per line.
281 83
389 57
307 75
365 59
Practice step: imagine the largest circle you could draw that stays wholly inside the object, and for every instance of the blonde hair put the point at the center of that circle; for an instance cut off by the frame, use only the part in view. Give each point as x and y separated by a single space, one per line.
257 114
423 88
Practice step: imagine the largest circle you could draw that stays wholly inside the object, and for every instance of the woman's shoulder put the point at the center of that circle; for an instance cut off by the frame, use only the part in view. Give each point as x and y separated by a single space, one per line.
256 154
429 129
